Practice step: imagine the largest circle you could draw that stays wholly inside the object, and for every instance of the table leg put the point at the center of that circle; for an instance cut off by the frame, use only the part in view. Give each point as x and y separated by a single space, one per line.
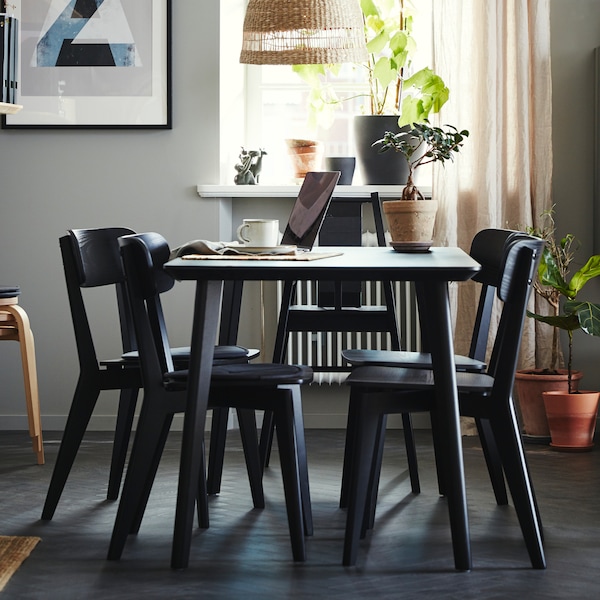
434 299
204 333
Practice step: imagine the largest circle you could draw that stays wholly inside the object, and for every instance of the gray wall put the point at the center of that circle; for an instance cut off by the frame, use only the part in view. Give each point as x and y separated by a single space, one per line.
55 180
575 34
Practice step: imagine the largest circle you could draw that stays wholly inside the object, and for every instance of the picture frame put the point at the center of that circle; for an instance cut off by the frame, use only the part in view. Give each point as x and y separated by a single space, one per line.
107 68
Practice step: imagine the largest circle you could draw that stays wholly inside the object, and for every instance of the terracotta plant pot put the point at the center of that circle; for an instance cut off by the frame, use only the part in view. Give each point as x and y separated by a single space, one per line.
572 419
306 155
410 221
529 386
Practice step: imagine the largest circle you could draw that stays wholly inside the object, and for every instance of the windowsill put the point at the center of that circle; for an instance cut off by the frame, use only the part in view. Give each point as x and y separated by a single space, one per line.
291 191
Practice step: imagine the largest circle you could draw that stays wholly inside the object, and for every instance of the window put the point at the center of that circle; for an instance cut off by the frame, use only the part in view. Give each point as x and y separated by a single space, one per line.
270 102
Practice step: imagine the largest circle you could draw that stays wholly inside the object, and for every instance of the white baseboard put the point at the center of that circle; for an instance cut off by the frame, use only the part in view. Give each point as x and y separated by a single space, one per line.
107 422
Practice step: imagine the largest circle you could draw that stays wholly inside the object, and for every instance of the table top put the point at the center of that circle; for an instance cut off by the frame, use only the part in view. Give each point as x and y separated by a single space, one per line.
359 263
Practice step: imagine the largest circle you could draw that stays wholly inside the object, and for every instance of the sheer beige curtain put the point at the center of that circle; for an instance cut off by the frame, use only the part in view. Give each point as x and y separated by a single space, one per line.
495 57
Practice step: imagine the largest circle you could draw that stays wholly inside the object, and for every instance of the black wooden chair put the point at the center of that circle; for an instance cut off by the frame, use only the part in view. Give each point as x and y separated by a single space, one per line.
339 306
488 248
91 259
378 390
246 387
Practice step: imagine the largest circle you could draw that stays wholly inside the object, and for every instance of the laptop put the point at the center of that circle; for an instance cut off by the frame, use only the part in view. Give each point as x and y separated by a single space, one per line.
309 209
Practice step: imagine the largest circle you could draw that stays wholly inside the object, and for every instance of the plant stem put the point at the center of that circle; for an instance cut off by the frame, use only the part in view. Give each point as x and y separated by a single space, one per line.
400 79
570 362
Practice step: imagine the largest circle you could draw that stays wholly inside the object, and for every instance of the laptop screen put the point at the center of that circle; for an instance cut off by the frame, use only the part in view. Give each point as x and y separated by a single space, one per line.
309 209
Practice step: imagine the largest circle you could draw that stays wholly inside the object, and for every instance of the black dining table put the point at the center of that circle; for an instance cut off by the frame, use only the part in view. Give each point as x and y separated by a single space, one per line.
431 270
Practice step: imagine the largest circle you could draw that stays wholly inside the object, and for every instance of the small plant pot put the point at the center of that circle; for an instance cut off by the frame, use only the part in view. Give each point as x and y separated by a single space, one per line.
344 164
530 385
305 156
410 221
572 419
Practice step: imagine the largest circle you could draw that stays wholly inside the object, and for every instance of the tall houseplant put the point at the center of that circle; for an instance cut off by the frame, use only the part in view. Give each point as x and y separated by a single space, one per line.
392 99
548 374
410 219
561 290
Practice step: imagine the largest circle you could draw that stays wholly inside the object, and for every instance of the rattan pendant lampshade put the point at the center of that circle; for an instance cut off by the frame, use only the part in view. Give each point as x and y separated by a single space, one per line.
288 32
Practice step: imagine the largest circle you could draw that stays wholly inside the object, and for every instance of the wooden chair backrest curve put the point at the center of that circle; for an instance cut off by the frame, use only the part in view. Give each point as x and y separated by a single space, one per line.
91 259
520 262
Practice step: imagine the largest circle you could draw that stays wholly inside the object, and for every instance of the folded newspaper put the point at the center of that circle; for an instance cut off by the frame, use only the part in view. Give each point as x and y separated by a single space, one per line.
204 247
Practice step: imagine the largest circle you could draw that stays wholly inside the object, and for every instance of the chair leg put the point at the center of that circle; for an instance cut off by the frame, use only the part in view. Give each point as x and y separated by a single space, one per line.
510 446
411 453
374 477
492 460
202 498
266 437
362 461
82 407
125 415
302 460
145 455
249 437
351 429
144 493
218 437
32 401
284 426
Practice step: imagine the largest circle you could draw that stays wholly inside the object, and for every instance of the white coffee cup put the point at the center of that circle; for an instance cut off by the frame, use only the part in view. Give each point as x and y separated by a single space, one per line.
260 233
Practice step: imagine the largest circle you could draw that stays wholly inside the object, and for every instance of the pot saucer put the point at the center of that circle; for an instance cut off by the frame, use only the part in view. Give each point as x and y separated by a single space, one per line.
411 246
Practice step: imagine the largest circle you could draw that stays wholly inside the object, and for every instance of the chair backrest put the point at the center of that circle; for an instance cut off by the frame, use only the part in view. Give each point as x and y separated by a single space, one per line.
342 227
91 259
516 272
143 258
488 248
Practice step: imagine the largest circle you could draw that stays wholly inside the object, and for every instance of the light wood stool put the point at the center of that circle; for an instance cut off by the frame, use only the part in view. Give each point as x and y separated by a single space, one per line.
14 325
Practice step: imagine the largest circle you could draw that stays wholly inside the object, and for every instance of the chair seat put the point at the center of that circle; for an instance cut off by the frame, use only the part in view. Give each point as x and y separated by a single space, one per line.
221 353
9 291
400 358
247 374
398 378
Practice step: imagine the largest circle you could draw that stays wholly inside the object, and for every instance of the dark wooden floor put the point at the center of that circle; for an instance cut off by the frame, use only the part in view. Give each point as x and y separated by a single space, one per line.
246 553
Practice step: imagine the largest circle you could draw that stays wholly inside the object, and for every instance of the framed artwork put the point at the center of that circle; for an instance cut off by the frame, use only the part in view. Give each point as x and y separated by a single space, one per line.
93 64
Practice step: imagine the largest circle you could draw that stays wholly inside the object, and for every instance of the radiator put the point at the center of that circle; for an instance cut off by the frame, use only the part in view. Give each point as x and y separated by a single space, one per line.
323 349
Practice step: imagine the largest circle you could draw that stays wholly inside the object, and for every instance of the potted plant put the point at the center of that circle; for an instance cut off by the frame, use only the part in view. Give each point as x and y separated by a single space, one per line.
548 374
306 155
571 414
411 219
393 100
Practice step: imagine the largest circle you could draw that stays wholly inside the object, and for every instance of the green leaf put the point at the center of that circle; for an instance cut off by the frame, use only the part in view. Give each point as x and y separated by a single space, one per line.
549 274
377 43
588 315
384 71
368 8
412 110
590 270
566 322
398 43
